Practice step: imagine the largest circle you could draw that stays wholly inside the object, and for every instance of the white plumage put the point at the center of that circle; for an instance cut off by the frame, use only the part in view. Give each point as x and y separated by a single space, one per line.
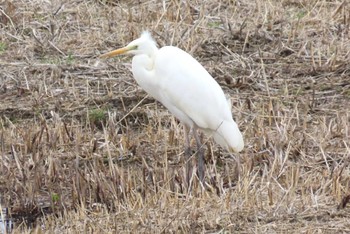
185 88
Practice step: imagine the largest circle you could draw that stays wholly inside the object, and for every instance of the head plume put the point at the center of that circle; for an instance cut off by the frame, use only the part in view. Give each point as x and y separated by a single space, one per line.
146 36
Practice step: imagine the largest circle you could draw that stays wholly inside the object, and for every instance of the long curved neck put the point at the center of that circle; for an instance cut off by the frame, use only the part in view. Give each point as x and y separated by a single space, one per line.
143 71
151 51
142 64
145 58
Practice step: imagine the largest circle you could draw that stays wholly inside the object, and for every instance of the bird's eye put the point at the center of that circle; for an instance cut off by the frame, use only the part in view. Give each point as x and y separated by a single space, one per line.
135 47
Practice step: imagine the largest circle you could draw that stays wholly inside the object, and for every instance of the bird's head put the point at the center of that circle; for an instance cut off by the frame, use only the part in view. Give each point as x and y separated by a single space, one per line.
143 45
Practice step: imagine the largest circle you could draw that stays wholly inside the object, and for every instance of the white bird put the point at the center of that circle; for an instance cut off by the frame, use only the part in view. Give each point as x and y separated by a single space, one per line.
181 84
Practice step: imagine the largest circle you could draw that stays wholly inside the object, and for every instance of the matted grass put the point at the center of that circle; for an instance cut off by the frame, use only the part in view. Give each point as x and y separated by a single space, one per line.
84 149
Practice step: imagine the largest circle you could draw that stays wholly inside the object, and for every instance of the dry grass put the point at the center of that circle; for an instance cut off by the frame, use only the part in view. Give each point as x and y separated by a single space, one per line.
83 149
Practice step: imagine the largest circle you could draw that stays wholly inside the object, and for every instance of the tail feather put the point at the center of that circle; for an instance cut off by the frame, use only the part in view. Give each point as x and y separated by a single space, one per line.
229 136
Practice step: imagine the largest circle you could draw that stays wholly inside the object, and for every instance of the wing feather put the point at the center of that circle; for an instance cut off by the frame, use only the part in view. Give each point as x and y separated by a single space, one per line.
187 87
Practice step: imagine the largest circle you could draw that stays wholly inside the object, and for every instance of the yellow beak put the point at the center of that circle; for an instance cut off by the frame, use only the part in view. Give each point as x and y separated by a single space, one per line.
115 53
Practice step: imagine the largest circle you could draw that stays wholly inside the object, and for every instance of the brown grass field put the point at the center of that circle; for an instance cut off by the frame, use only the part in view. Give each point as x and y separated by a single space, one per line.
85 150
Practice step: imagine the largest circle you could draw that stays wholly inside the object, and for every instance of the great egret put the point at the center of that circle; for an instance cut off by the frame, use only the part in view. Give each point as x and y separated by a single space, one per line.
181 84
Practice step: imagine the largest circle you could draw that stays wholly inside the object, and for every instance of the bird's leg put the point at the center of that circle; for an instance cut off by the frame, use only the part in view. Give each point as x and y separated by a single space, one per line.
188 156
200 156
238 166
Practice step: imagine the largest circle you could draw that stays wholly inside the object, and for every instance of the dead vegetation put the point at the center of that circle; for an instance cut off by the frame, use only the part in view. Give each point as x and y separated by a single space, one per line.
83 149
